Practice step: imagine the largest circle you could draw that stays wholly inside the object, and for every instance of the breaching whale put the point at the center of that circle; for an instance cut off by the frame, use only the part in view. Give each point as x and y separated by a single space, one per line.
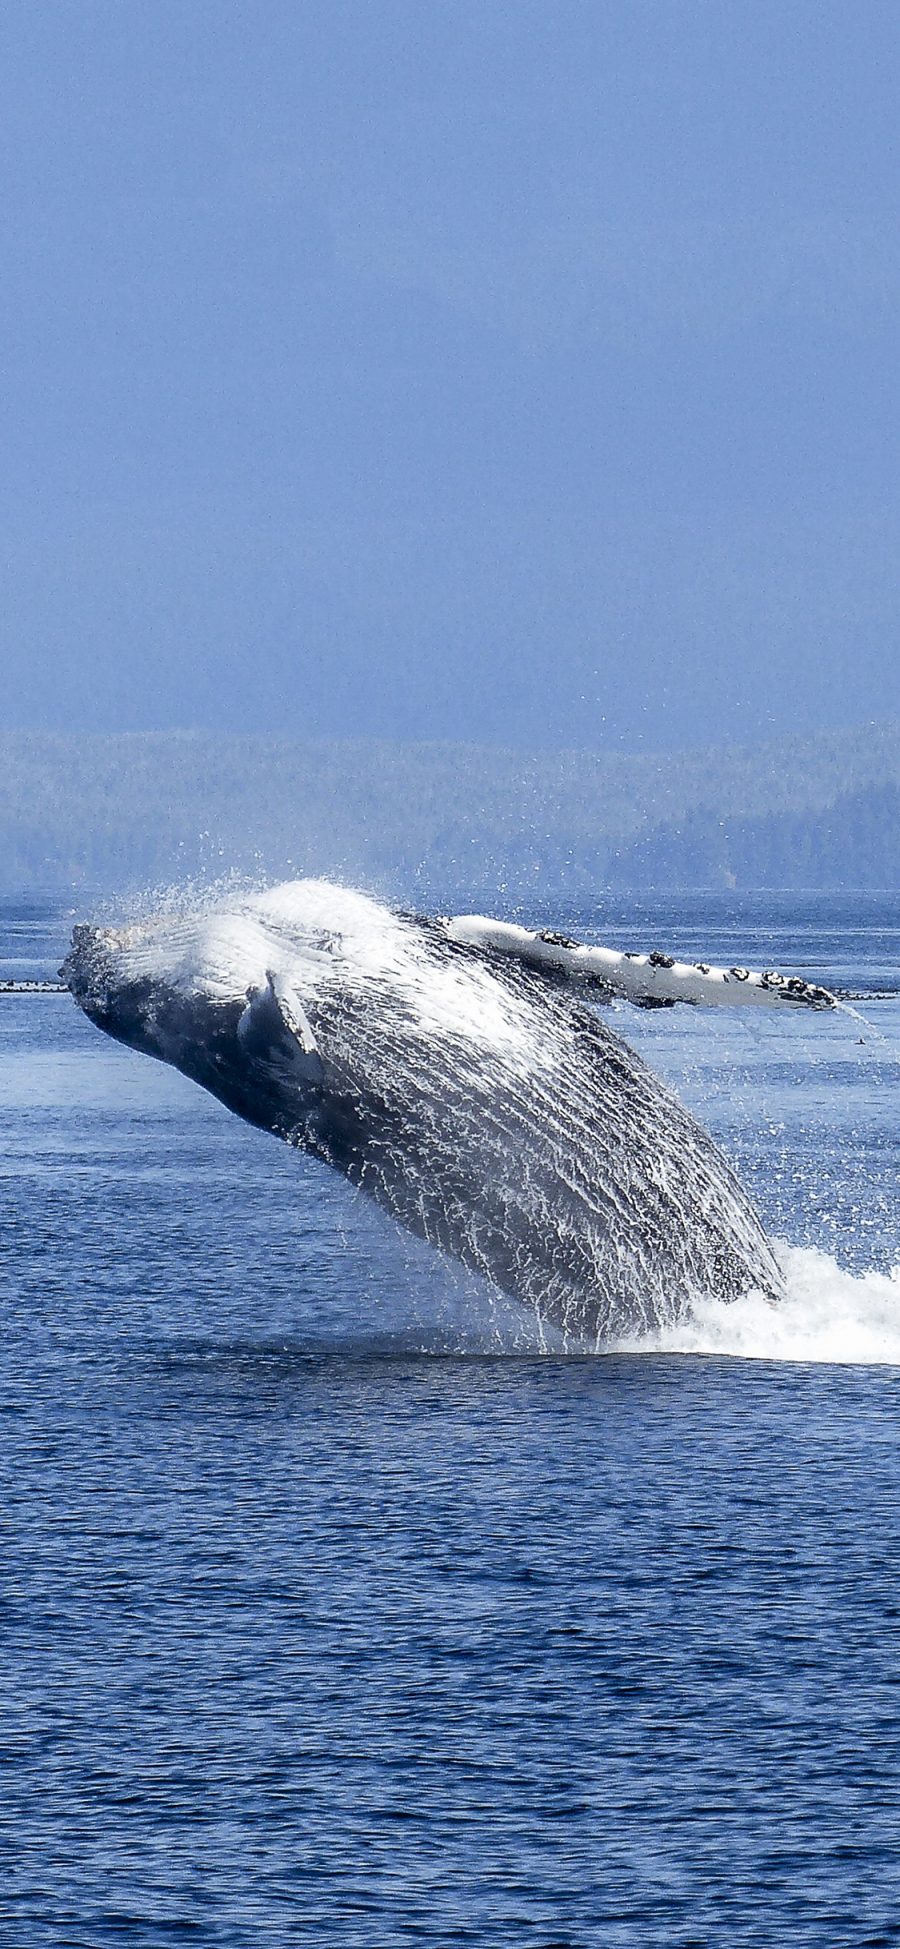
453 1071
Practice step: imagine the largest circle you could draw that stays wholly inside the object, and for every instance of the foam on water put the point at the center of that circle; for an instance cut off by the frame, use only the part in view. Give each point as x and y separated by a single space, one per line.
827 1315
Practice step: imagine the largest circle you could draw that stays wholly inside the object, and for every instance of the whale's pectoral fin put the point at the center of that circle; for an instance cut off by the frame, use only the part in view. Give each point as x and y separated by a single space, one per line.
650 980
276 1038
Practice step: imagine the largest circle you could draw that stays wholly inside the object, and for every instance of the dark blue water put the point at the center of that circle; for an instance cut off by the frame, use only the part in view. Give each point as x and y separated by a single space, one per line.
333 1614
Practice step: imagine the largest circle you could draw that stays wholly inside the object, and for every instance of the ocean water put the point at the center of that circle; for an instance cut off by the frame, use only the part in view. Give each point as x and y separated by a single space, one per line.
334 1612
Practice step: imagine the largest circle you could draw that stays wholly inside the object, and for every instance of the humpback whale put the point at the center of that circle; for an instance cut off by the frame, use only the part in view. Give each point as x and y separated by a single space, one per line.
456 1072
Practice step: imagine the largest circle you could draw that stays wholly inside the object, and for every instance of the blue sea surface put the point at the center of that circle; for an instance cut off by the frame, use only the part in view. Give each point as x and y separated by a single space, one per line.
333 1612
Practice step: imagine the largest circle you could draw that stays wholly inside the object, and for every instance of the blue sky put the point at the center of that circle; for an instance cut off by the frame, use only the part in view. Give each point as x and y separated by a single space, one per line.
515 373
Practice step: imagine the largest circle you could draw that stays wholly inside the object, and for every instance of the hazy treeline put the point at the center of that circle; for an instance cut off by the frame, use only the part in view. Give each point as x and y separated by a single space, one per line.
427 821
855 842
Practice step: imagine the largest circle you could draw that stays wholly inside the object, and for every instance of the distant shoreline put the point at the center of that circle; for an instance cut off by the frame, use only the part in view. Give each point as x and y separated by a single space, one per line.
416 821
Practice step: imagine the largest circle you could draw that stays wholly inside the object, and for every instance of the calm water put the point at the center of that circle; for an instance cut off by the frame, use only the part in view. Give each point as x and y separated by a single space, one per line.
334 1614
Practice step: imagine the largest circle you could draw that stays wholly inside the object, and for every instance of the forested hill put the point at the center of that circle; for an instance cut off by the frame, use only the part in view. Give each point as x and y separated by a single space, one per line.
427 821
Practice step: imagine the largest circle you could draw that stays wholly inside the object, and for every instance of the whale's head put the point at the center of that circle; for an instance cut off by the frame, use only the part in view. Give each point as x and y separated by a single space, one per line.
229 996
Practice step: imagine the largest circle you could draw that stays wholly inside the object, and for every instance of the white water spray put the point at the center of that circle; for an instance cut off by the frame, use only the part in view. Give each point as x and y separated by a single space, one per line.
827 1315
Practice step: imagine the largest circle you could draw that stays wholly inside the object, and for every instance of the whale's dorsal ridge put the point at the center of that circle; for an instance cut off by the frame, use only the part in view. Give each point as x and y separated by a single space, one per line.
275 1035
